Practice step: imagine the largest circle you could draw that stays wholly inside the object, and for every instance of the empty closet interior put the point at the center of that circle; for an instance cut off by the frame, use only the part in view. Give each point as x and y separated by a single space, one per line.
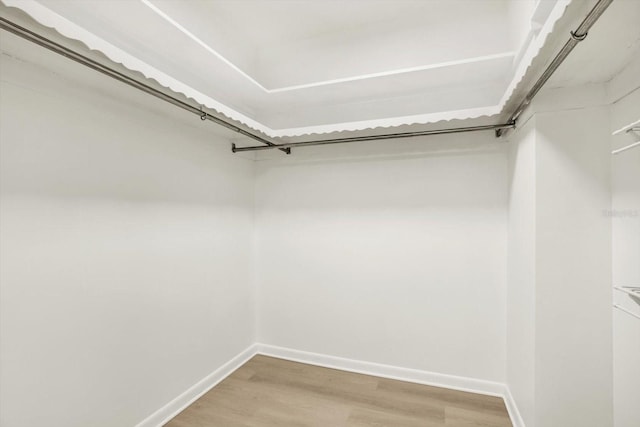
441 192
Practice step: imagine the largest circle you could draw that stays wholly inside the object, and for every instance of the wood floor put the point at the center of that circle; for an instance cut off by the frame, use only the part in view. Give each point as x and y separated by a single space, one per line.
269 392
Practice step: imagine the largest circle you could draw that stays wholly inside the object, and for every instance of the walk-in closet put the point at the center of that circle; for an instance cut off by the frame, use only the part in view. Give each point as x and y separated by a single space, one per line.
319 213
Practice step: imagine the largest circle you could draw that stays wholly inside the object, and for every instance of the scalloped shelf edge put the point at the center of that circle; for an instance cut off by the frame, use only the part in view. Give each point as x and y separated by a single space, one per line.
68 29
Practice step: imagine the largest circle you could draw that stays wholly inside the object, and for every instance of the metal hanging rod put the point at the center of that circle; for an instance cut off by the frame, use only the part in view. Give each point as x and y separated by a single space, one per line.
378 137
576 37
29 35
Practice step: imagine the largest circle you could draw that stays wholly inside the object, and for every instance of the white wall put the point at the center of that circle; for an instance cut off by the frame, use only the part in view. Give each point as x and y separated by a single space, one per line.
573 366
625 216
559 330
127 248
521 267
125 234
399 260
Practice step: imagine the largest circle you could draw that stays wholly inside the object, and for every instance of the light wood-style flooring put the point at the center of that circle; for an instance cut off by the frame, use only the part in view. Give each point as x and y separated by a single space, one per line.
270 392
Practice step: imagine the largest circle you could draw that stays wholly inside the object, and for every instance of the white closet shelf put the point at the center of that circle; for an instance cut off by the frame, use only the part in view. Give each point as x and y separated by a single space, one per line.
633 291
630 128
625 148
629 312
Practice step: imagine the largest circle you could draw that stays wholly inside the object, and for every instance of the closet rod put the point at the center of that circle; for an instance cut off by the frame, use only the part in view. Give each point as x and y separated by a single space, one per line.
576 37
33 37
377 137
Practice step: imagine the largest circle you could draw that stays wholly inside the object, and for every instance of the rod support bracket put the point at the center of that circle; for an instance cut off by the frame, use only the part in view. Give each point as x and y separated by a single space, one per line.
233 147
578 37
500 132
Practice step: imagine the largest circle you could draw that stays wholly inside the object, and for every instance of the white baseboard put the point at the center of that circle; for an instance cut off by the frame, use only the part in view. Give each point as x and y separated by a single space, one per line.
193 393
453 382
514 413
386 371
473 385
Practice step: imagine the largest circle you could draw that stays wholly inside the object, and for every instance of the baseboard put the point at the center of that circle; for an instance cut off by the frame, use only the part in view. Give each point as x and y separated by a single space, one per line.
473 385
386 371
512 408
177 405
453 382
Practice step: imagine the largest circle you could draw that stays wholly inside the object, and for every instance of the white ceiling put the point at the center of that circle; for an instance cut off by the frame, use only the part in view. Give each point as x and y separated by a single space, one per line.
289 44
295 67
